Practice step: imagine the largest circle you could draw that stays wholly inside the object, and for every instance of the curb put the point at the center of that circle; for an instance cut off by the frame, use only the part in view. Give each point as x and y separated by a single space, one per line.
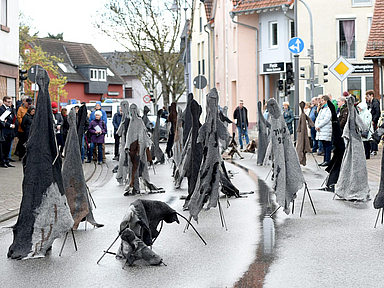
15 213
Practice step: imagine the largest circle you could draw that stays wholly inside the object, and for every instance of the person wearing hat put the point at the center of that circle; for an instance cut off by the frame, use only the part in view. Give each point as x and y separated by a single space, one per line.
58 120
26 103
103 117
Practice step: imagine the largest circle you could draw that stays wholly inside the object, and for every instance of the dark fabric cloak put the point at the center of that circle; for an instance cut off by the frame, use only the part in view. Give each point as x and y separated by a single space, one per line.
379 199
172 119
144 216
288 177
44 212
147 122
262 140
187 118
75 186
207 185
81 119
302 144
156 150
353 178
334 165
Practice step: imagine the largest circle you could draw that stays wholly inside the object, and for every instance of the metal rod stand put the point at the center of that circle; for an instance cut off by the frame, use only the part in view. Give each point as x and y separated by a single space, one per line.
65 239
306 190
223 223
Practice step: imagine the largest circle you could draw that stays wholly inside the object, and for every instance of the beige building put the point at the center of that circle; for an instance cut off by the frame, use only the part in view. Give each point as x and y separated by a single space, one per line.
9 48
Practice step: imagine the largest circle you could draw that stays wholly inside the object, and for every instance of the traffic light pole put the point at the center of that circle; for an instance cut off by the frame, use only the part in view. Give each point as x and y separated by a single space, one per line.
296 65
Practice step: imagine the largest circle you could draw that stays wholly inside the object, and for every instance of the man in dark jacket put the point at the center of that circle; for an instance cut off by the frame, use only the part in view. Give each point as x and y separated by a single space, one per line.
374 106
9 126
241 119
116 123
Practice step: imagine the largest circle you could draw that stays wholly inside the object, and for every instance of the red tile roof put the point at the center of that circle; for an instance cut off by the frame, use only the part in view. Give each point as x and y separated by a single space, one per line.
208 9
375 44
243 5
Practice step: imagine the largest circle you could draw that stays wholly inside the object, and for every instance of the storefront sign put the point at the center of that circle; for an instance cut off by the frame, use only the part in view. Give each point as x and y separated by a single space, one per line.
363 68
273 67
113 93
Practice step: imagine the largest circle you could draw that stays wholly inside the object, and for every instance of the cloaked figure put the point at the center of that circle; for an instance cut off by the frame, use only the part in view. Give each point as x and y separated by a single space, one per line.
137 146
207 185
75 186
262 140
353 178
44 211
288 177
302 145
122 170
172 119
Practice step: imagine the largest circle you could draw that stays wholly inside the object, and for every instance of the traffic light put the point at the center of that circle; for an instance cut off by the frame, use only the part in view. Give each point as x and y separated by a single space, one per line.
307 72
22 78
289 73
321 74
281 85
152 97
287 88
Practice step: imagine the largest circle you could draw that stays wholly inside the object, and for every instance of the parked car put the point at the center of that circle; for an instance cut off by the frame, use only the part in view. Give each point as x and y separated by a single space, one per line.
163 126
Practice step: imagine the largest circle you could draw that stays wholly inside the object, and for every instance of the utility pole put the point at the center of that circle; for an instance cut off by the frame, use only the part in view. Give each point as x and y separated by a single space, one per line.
296 65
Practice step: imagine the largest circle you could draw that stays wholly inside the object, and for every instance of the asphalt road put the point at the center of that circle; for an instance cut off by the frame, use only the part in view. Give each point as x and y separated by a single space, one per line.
189 262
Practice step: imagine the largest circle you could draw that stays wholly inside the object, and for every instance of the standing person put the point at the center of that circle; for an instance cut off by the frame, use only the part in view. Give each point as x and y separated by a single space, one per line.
288 116
116 123
26 104
103 117
343 111
367 119
9 126
58 121
323 126
334 101
241 120
374 107
313 116
27 121
97 129
165 113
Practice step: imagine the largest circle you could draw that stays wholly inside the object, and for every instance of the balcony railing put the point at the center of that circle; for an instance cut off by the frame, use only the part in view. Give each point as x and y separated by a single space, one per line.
342 49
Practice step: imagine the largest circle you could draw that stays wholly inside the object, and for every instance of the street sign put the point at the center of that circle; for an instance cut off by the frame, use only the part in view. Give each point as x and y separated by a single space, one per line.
200 82
147 99
32 72
296 45
73 101
341 68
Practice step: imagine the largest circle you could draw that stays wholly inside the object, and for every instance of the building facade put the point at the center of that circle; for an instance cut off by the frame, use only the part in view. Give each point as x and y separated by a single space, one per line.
9 48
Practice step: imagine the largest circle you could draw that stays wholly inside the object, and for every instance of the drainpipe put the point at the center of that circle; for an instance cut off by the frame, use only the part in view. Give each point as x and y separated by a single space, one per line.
209 56
232 15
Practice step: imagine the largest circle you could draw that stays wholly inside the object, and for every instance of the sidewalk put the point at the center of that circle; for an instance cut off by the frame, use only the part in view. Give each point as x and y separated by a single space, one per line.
11 180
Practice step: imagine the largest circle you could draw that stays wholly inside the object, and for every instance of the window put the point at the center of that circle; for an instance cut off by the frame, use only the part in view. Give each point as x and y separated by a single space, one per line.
98 75
354 86
67 68
273 37
128 92
361 3
93 75
200 19
291 28
369 24
234 39
102 75
3 12
347 41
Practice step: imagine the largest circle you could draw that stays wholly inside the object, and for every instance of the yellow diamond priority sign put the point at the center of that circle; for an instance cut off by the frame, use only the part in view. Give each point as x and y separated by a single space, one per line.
341 68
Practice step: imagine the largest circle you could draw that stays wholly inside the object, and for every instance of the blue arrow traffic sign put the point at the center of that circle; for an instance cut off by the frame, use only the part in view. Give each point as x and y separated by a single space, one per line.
296 45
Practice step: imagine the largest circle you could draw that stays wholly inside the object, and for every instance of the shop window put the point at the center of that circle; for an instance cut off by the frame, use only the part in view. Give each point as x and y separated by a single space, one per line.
354 86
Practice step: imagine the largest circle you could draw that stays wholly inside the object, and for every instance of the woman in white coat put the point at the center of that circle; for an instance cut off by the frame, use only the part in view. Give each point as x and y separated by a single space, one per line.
366 116
323 126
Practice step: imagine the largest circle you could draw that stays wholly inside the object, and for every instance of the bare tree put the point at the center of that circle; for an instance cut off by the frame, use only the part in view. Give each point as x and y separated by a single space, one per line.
151 32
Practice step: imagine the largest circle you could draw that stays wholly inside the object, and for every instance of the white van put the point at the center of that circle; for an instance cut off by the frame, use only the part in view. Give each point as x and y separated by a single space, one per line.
110 109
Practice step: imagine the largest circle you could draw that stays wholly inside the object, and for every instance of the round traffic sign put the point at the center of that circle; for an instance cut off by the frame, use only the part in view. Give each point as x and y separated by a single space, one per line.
147 99
200 82
296 45
33 71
